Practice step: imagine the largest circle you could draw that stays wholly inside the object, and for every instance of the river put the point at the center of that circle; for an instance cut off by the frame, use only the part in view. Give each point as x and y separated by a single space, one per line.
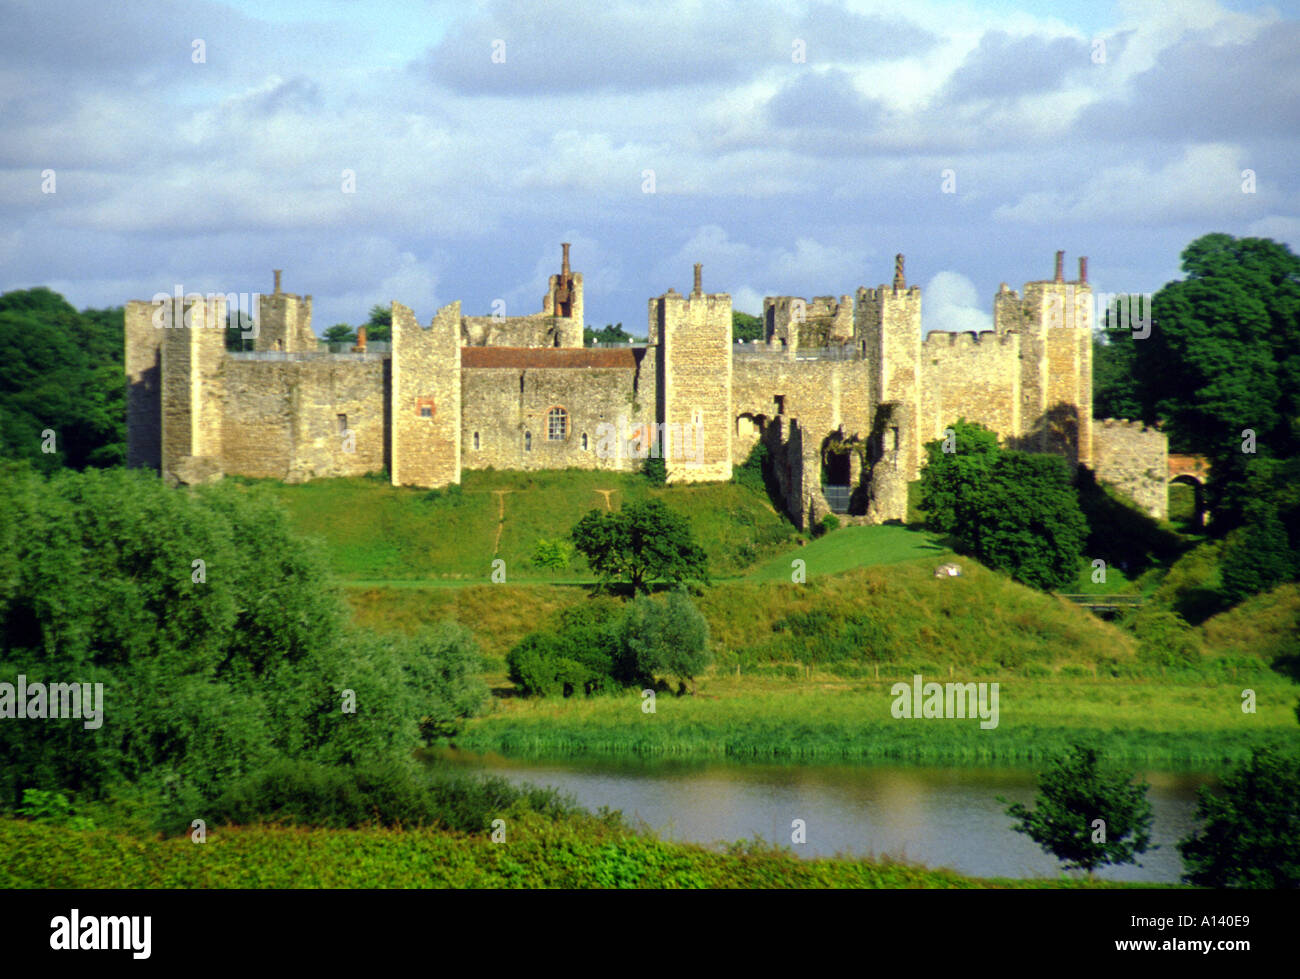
939 817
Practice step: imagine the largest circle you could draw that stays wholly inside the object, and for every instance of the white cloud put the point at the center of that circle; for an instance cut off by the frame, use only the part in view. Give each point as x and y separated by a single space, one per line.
950 302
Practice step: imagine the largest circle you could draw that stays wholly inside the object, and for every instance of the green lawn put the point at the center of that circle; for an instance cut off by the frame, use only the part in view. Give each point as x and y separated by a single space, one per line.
855 547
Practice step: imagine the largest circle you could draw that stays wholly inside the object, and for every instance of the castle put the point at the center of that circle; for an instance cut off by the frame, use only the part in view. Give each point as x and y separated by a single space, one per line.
843 392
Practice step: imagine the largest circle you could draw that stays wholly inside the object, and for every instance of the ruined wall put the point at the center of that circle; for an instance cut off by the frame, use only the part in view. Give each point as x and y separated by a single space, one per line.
508 395
888 322
536 330
193 352
694 337
284 322
821 398
792 322
1135 460
281 418
426 400
143 364
976 377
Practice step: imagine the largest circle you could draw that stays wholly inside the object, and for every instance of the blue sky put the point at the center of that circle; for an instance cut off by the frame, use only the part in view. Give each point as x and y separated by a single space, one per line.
781 175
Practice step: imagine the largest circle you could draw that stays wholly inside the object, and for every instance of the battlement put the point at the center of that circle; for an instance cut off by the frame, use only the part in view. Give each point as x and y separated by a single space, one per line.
968 338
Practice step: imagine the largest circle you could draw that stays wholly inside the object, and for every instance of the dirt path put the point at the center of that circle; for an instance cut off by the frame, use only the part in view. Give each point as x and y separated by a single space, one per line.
501 517
605 494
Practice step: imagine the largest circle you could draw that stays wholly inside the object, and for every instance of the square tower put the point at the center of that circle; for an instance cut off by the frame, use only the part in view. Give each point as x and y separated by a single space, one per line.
693 334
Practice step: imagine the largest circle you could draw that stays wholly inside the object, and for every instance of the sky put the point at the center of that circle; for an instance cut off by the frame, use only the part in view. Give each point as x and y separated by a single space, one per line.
433 152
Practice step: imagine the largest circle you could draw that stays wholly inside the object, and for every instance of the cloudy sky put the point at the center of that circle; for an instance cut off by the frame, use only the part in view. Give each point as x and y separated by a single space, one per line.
792 147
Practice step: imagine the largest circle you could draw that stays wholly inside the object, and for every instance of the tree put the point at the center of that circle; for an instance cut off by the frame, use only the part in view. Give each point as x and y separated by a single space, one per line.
380 324
1073 795
1223 357
62 389
1251 831
611 333
746 327
643 542
667 638
1257 555
1014 511
341 333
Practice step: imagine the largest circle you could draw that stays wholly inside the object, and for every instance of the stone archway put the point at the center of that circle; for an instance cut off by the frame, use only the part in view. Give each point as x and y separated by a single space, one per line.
1194 471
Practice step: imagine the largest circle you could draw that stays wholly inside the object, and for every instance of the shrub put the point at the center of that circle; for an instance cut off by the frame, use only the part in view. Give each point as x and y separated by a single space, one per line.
555 553
666 638
829 522
655 470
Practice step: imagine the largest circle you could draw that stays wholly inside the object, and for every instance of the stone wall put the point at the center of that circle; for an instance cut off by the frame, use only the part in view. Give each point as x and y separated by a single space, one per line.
426 401
143 364
1135 460
298 420
508 396
694 337
193 352
976 377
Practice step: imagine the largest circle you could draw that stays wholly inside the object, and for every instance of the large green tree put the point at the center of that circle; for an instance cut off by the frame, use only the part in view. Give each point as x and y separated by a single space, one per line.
642 543
1014 511
62 390
218 638
1223 359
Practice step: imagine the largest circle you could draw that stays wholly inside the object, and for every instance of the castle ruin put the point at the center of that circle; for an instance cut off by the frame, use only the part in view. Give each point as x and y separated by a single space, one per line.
844 392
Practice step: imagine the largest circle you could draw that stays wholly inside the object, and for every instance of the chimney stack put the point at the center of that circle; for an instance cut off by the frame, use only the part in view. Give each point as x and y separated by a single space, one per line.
698 278
564 265
1060 266
1083 270
277 281
899 281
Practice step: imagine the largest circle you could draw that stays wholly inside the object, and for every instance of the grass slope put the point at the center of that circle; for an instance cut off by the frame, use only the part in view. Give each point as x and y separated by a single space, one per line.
377 532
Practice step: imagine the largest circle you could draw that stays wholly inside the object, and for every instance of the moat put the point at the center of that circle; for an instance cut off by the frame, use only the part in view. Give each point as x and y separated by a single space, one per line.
939 817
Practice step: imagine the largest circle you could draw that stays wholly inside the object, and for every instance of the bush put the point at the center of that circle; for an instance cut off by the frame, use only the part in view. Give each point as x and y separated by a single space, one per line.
655 470
582 655
829 522
1164 638
392 794
554 553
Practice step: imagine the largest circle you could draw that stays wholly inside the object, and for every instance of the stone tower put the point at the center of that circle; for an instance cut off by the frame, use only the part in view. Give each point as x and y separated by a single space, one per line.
284 322
426 405
888 326
1055 318
563 300
693 334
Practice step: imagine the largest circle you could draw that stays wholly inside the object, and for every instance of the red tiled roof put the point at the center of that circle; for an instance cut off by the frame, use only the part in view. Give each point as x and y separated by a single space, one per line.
540 357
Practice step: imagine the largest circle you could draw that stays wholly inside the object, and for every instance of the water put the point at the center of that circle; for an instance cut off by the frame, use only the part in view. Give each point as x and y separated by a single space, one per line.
939 817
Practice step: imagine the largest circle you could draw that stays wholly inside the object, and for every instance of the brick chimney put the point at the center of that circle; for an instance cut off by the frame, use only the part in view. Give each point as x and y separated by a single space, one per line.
699 278
277 281
1060 267
1083 269
564 263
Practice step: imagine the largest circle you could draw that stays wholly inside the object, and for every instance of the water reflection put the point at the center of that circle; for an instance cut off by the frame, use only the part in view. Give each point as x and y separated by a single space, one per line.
939 817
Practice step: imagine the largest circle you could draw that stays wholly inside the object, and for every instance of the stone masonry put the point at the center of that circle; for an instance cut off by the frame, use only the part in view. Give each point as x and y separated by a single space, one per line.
844 393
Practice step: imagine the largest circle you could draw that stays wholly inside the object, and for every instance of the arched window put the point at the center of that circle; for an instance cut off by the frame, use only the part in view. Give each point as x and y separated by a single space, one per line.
476 441
557 425
528 441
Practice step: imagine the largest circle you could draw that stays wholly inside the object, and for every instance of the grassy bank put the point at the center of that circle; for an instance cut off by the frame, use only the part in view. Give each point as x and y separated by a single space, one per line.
1163 725
376 531
537 854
